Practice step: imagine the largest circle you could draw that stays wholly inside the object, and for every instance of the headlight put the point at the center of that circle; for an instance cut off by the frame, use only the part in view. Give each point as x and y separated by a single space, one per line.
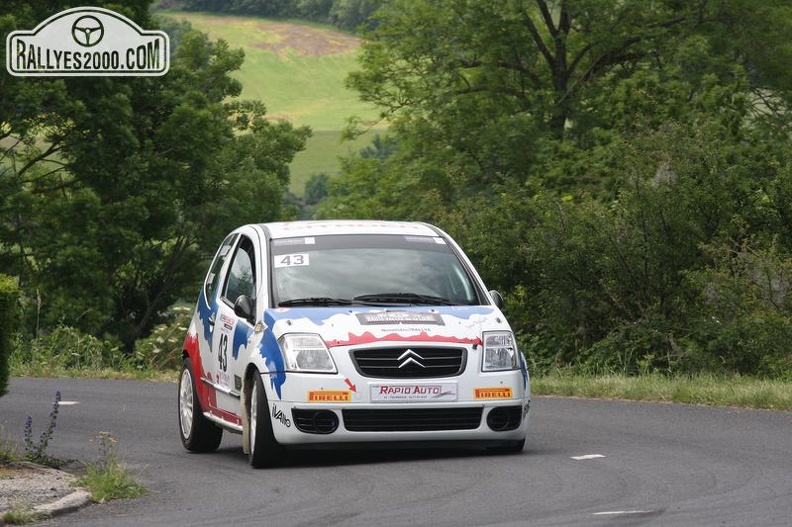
306 353
500 351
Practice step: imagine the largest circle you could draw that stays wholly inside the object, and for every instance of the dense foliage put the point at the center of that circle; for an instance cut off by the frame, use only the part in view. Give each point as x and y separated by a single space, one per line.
8 311
113 189
621 170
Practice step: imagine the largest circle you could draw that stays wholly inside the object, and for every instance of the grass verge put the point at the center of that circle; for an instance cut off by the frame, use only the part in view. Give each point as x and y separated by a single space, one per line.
125 374
703 389
706 389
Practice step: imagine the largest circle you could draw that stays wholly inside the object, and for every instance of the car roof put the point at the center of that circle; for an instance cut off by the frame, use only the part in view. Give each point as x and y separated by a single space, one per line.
292 229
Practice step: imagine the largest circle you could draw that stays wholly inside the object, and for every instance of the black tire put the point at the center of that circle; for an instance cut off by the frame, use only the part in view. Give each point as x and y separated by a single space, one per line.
198 434
264 449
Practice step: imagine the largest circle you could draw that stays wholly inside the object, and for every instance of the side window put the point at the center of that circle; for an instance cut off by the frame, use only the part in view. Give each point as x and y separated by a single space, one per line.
241 277
213 278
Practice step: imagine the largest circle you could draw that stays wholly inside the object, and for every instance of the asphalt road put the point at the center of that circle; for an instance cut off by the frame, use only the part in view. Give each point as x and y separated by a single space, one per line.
586 463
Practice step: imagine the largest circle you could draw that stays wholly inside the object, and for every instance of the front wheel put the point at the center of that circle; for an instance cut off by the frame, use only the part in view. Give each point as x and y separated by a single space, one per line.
264 449
198 434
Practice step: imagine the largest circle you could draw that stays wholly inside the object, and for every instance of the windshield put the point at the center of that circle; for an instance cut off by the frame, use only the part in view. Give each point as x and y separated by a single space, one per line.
368 269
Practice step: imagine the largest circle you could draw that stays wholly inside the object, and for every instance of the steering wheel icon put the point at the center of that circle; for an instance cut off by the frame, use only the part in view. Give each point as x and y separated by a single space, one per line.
87 31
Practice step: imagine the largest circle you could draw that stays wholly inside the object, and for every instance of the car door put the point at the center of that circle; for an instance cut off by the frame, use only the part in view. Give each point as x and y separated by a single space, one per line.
231 332
206 314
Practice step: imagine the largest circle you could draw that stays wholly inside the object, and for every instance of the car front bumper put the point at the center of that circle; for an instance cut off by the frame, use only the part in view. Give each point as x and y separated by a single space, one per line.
322 409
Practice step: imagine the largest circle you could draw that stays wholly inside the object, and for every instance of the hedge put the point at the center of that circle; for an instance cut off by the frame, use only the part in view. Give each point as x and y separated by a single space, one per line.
9 294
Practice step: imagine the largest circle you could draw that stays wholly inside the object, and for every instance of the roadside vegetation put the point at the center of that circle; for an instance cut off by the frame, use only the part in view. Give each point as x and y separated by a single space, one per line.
704 389
108 478
105 479
157 358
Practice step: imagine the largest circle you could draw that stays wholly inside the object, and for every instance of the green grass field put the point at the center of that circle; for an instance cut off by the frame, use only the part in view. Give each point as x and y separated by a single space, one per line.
322 155
298 71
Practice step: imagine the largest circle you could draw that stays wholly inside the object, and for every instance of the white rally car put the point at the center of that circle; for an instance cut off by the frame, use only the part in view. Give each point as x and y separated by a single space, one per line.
328 333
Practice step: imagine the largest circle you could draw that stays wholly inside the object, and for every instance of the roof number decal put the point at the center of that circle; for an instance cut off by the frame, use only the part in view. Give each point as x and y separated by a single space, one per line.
291 260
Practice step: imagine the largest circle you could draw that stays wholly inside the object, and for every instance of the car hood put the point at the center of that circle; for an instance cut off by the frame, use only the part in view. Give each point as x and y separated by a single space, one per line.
348 326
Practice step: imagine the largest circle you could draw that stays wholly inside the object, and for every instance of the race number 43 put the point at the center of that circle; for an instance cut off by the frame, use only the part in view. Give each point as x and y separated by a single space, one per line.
291 260
222 352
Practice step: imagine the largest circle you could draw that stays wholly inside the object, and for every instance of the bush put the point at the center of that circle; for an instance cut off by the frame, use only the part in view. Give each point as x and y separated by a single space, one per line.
9 294
745 321
687 267
162 349
66 348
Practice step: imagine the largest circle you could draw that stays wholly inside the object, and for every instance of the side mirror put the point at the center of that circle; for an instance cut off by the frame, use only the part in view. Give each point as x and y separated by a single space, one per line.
497 298
244 307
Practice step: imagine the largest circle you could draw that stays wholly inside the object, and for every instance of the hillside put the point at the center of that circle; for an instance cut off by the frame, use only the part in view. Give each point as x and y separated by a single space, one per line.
298 71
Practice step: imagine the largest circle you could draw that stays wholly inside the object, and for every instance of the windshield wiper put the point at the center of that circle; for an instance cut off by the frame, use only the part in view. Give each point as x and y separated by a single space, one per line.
315 301
403 298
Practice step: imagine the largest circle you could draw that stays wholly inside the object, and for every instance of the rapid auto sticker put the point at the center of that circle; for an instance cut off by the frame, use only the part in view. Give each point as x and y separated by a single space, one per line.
399 393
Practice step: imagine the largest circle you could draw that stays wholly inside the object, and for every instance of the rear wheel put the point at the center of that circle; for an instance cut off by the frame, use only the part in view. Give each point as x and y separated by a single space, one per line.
198 434
264 449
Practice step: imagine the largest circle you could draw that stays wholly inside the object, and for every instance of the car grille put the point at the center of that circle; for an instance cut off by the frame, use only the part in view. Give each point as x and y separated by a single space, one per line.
409 363
411 420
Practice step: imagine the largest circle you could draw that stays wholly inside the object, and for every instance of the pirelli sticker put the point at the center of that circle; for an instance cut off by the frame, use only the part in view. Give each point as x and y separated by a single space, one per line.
499 392
329 396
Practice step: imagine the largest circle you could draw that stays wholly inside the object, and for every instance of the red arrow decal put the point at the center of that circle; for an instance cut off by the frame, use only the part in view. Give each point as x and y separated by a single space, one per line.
351 386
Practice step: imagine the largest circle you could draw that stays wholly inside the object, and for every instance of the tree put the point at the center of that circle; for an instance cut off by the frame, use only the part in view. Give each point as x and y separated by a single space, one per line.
597 159
119 186
528 90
